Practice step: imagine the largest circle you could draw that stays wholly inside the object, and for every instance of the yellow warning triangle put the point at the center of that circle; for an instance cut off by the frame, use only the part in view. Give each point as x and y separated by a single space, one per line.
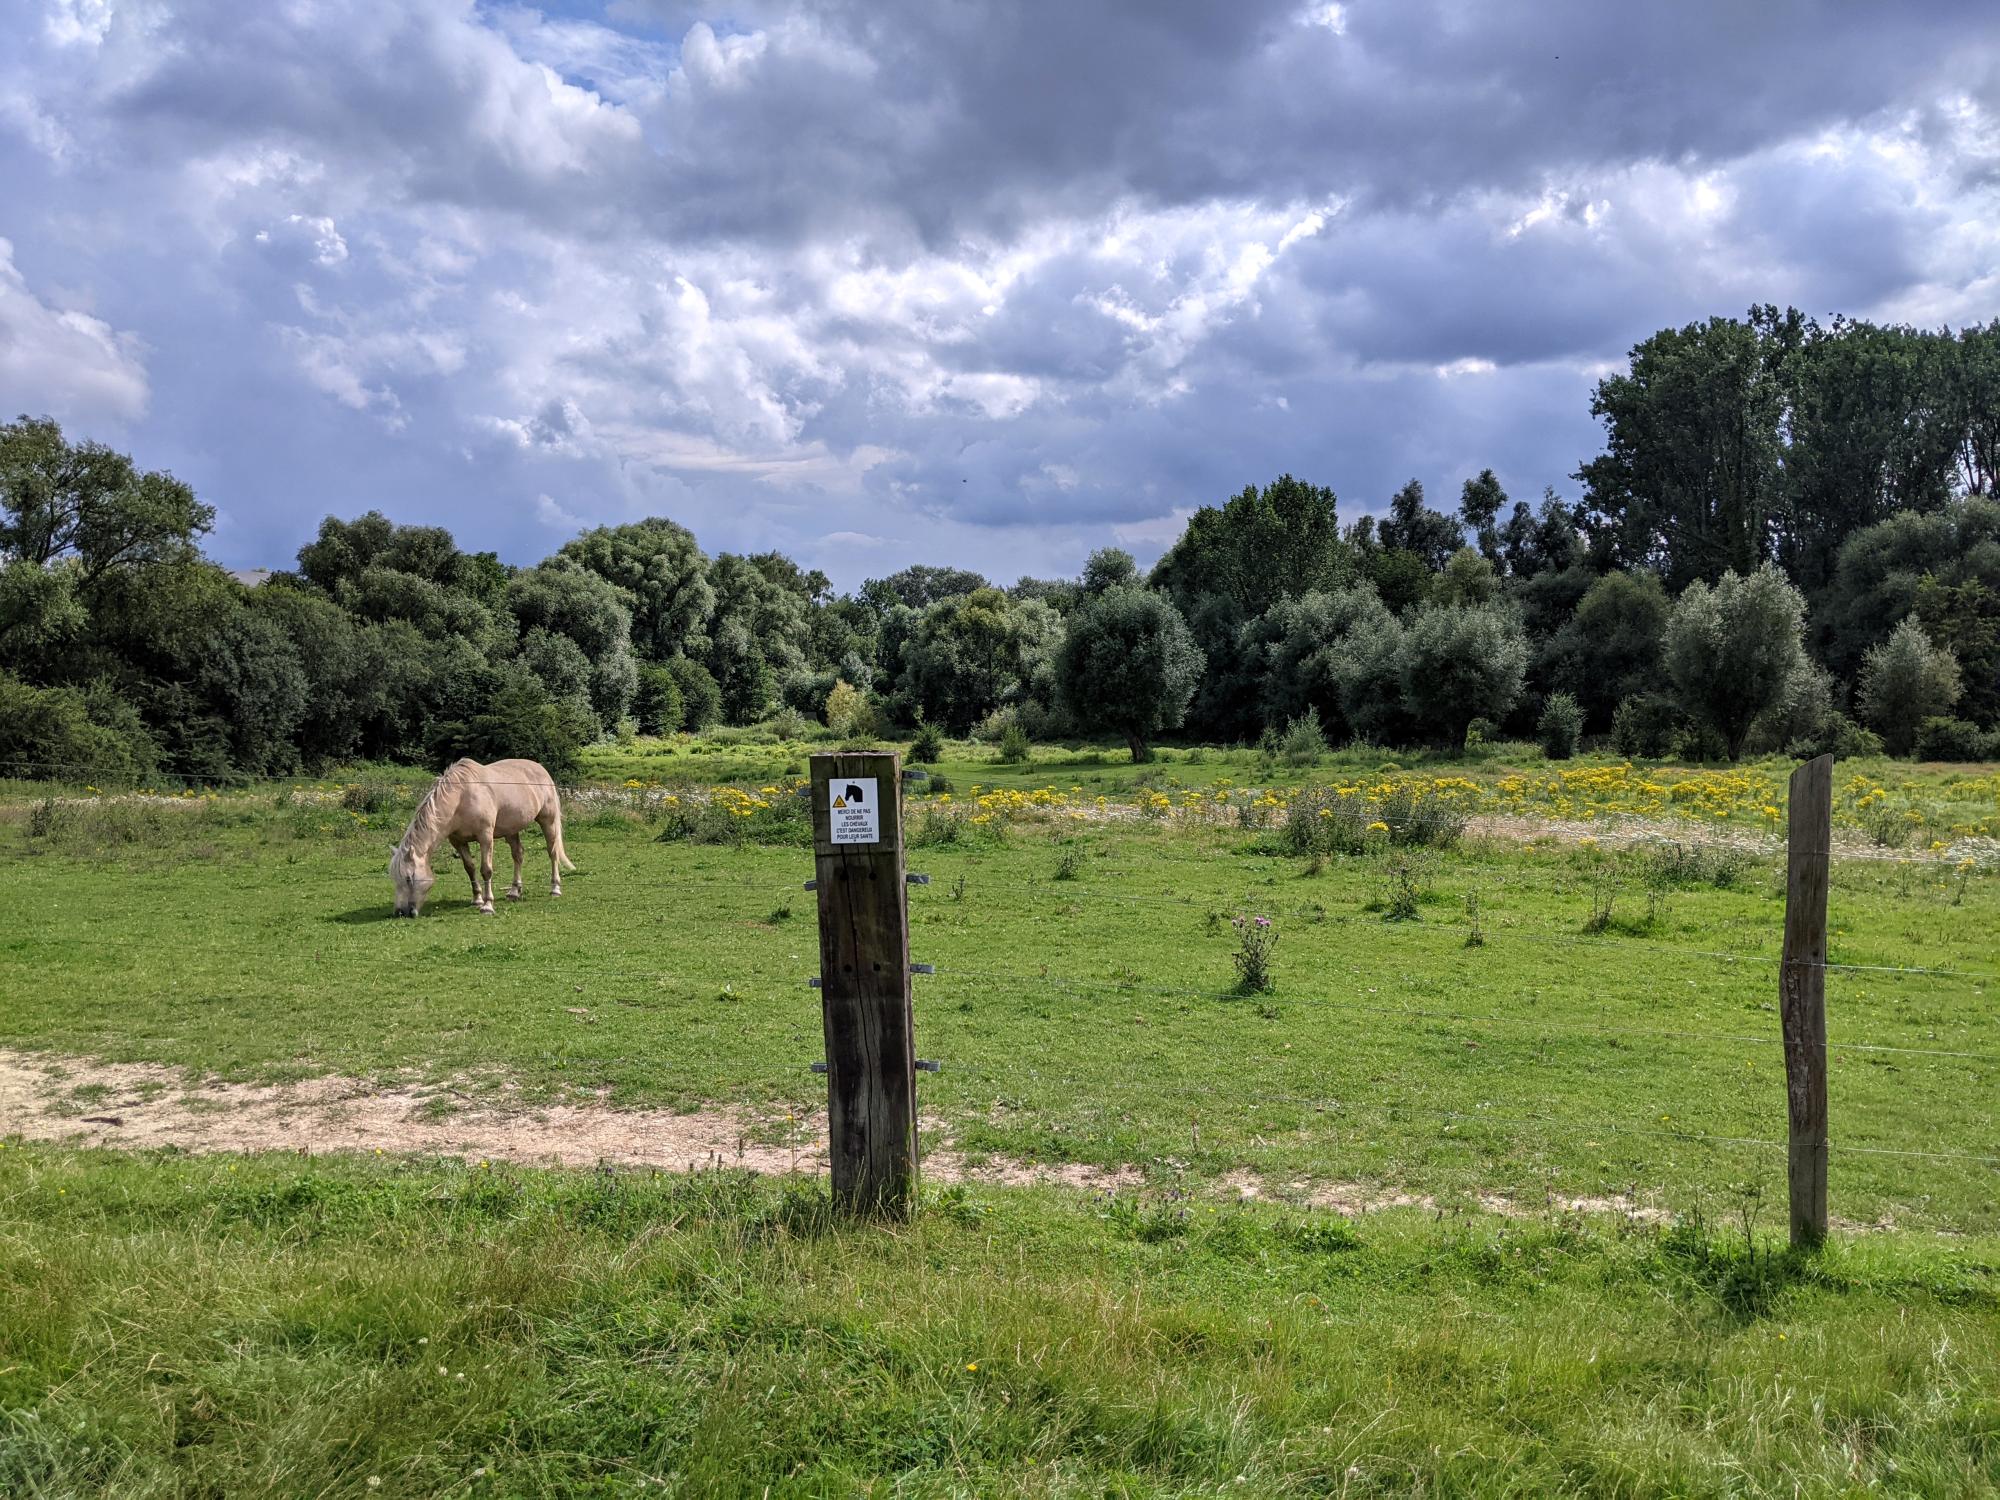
840 802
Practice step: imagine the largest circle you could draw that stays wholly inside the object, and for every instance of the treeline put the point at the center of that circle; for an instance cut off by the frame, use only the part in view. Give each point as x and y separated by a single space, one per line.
1790 542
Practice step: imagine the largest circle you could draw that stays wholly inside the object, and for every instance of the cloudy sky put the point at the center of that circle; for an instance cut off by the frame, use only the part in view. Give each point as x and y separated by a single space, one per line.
892 280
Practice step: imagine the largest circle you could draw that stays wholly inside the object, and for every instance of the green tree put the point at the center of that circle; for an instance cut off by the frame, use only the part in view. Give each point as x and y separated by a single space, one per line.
1260 547
1730 648
1871 429
520 720
1609 649
1411 526
83 500
1298 651
71 734
701 698
1109 568
1881 569
1904 681
1128 665
42 615
252 679
1689 481
1369 671
1975 390
564 598
1460 663
657 705
920 586
1468 578
663 574
327 645
1964 618
1480 501
967 656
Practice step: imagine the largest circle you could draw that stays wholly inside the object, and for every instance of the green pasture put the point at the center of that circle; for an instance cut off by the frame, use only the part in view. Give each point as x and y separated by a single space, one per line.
265 1326
1089 1019
1551 1021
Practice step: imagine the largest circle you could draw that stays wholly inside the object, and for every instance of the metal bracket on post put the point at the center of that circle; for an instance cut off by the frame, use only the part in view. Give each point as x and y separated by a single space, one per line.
923 968
916 880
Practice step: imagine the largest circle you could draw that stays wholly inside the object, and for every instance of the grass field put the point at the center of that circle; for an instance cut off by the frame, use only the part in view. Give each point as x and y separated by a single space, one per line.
1609 1039
200 1326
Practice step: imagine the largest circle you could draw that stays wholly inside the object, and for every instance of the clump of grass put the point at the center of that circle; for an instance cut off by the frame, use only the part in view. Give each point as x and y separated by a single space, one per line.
1069 862
1256 943
1603 899
1403 891
368 797
1677 864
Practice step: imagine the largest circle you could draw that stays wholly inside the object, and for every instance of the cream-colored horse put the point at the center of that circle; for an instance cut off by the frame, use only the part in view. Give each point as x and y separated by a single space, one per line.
469 804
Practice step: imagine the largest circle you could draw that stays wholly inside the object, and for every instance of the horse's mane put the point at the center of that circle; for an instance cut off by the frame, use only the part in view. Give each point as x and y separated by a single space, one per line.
425 832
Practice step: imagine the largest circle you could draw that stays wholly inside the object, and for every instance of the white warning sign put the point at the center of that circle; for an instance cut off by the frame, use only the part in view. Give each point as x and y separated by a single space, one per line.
857 815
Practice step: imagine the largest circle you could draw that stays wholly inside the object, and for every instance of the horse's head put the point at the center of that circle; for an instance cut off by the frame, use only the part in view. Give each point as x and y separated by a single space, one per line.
412 874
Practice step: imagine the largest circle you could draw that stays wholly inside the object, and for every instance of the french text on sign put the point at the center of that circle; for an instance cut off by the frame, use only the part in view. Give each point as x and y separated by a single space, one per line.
857 811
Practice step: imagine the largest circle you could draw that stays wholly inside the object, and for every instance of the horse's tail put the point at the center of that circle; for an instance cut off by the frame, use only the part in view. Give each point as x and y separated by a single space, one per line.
566 862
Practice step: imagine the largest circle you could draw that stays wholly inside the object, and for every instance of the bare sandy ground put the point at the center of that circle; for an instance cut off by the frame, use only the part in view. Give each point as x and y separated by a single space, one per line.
142 1106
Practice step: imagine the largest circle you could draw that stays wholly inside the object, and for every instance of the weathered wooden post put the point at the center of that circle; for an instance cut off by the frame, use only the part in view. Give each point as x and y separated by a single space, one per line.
864 953
1802 994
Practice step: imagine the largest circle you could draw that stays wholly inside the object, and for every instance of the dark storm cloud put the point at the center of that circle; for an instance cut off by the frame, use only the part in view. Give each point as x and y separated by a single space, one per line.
984 283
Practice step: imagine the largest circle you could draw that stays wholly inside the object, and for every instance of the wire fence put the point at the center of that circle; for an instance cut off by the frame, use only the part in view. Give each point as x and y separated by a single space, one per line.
1344 1105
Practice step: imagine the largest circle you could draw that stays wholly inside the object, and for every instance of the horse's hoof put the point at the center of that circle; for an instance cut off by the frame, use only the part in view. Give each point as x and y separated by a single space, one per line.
513 895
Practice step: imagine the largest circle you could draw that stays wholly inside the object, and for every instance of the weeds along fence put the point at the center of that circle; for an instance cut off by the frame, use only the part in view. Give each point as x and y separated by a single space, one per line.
871 1035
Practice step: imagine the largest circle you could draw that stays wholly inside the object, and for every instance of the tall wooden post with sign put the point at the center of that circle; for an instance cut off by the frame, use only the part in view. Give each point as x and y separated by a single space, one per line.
1802 995
864 952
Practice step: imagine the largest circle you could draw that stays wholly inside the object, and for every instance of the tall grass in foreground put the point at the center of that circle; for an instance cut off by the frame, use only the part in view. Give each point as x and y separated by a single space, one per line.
180 1326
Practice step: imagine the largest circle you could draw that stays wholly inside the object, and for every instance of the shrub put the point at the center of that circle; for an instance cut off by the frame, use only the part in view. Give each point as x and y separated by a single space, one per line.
522 720
928 746
789 724
1304 743
1730 648
657 704
805 692
1672 864
1838 736
1560 727
1645 727
1955 739
1321 821
701 696
1460 662
1481 731
60 734
849 714
1014 748
1905 681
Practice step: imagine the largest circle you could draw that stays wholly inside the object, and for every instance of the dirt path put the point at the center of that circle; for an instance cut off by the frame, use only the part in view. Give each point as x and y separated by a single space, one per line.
141 1106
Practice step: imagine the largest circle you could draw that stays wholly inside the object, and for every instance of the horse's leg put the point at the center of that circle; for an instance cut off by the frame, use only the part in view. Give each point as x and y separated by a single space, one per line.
551 822
465 858
486 871
514 847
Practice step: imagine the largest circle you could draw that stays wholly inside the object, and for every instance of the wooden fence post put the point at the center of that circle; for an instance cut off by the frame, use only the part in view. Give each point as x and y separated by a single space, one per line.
864 952
1802 994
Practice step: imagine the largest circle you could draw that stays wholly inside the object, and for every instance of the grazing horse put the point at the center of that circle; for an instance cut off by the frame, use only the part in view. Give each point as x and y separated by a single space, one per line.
469 804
